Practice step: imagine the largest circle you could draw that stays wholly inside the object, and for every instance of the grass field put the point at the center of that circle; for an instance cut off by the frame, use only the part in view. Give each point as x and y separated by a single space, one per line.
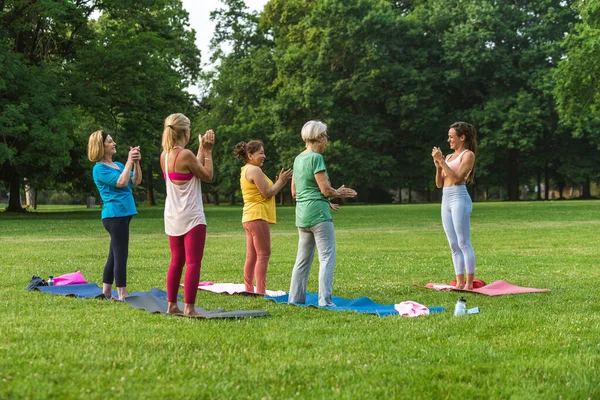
542 345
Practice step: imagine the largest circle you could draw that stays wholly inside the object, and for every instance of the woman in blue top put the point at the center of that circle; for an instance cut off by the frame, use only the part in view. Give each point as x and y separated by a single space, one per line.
312 191
113 181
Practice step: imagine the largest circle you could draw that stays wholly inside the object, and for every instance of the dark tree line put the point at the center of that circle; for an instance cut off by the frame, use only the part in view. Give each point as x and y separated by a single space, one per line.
387 76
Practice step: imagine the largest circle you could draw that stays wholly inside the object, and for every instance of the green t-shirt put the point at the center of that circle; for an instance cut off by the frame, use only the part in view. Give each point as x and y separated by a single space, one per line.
311 206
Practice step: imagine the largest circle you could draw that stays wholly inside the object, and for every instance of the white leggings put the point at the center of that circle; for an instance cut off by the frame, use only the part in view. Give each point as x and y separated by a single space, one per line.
456 218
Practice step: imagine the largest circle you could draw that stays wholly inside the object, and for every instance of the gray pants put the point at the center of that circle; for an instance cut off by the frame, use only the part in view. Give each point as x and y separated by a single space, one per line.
323 236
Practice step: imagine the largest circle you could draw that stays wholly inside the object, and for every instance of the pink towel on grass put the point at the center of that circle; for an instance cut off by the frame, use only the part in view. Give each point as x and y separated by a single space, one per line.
411 309
74 278
497 288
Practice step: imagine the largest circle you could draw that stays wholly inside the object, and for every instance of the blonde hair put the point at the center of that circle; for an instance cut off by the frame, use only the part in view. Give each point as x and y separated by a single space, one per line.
312 131
96 146
174 130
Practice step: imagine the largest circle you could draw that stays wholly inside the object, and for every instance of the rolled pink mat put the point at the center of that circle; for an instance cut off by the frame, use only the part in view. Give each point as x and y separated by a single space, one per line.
74 278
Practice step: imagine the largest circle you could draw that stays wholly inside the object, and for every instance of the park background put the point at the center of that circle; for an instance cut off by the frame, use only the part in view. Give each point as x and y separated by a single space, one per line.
388 77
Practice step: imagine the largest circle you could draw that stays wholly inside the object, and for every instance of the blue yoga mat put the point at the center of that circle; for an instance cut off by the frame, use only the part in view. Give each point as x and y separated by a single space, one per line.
92 290
360 305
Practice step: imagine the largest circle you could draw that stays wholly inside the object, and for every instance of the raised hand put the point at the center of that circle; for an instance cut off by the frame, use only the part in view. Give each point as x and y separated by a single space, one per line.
345 193
208 140
437 155
285 175
134 154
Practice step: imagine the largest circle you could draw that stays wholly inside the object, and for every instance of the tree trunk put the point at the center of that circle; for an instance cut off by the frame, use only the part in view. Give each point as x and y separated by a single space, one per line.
539 186
409 194
546 183
561 188
586 192
399 195
233 197
150 187
30 197
14 202
513 175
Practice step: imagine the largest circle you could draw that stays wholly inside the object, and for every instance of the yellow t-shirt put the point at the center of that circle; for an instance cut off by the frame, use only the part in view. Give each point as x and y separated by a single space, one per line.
255 204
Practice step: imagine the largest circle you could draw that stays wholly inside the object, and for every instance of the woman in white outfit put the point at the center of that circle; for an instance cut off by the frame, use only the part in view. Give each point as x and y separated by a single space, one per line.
184 212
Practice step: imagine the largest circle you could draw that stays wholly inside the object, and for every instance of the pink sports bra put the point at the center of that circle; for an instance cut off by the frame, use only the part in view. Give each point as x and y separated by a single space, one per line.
176 176
454 164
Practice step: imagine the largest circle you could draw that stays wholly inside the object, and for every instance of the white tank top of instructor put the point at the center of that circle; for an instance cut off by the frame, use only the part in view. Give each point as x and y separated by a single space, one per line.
183 206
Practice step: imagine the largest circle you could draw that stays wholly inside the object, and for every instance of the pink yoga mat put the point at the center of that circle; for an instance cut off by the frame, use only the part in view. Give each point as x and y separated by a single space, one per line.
497 288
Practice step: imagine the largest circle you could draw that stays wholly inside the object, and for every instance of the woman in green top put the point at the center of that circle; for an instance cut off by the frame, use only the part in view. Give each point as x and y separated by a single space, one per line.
312 191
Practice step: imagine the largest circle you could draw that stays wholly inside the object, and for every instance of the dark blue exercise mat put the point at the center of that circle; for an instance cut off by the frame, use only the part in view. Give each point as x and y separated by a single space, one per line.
154 304
360 305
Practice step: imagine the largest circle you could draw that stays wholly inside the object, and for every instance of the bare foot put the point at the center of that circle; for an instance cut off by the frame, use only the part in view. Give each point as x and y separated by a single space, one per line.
173 309
468 287
194 314
459 286
122 291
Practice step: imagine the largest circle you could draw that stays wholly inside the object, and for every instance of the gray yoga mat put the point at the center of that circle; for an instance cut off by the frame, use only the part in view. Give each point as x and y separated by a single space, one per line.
154 304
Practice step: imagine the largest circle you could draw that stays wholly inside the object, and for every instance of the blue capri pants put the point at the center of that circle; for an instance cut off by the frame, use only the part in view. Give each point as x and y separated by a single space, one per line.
456 218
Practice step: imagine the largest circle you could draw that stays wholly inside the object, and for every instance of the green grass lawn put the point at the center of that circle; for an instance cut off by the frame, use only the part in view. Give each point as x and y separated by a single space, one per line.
541 345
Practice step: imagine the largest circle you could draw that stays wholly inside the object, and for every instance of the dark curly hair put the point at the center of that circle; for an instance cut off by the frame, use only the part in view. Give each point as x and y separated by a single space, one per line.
242 149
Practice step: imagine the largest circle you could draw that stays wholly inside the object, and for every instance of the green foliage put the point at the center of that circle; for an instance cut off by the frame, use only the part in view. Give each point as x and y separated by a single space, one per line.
578 74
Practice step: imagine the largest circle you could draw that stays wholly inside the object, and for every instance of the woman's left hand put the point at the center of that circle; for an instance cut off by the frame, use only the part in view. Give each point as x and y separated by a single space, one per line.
334 206
284 175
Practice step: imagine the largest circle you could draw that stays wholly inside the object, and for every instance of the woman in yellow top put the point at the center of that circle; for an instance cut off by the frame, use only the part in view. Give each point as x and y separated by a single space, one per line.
258 192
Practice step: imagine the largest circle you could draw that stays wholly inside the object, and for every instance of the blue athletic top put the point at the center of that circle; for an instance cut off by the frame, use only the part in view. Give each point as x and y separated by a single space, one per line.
116 202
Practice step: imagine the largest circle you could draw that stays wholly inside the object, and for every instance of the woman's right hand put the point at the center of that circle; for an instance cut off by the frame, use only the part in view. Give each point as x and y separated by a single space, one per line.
345 193
208 140
134 155
437 156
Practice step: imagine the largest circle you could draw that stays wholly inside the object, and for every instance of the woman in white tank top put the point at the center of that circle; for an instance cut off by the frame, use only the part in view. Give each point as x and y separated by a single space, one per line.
184 212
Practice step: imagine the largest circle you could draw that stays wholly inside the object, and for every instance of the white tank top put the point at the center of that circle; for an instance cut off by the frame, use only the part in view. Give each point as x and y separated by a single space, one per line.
183 207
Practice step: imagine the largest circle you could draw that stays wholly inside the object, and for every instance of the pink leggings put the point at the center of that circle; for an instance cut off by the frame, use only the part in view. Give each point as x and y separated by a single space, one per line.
258 252
186 249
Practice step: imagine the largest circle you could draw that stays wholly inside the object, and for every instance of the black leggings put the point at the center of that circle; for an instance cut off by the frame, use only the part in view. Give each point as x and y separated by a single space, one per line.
116 264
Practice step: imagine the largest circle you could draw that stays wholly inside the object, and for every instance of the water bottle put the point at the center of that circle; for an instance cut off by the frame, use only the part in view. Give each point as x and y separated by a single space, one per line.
460 308
50 280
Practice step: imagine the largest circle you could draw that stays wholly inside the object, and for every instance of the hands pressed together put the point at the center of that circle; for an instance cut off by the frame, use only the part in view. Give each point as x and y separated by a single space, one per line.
135 155
345 193
437 156
208 140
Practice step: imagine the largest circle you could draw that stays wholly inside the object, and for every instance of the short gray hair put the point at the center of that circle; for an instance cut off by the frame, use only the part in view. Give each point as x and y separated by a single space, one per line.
312 130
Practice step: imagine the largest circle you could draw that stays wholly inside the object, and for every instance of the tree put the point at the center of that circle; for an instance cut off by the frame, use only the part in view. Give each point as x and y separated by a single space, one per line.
497 57
38 42
578 75
135 72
